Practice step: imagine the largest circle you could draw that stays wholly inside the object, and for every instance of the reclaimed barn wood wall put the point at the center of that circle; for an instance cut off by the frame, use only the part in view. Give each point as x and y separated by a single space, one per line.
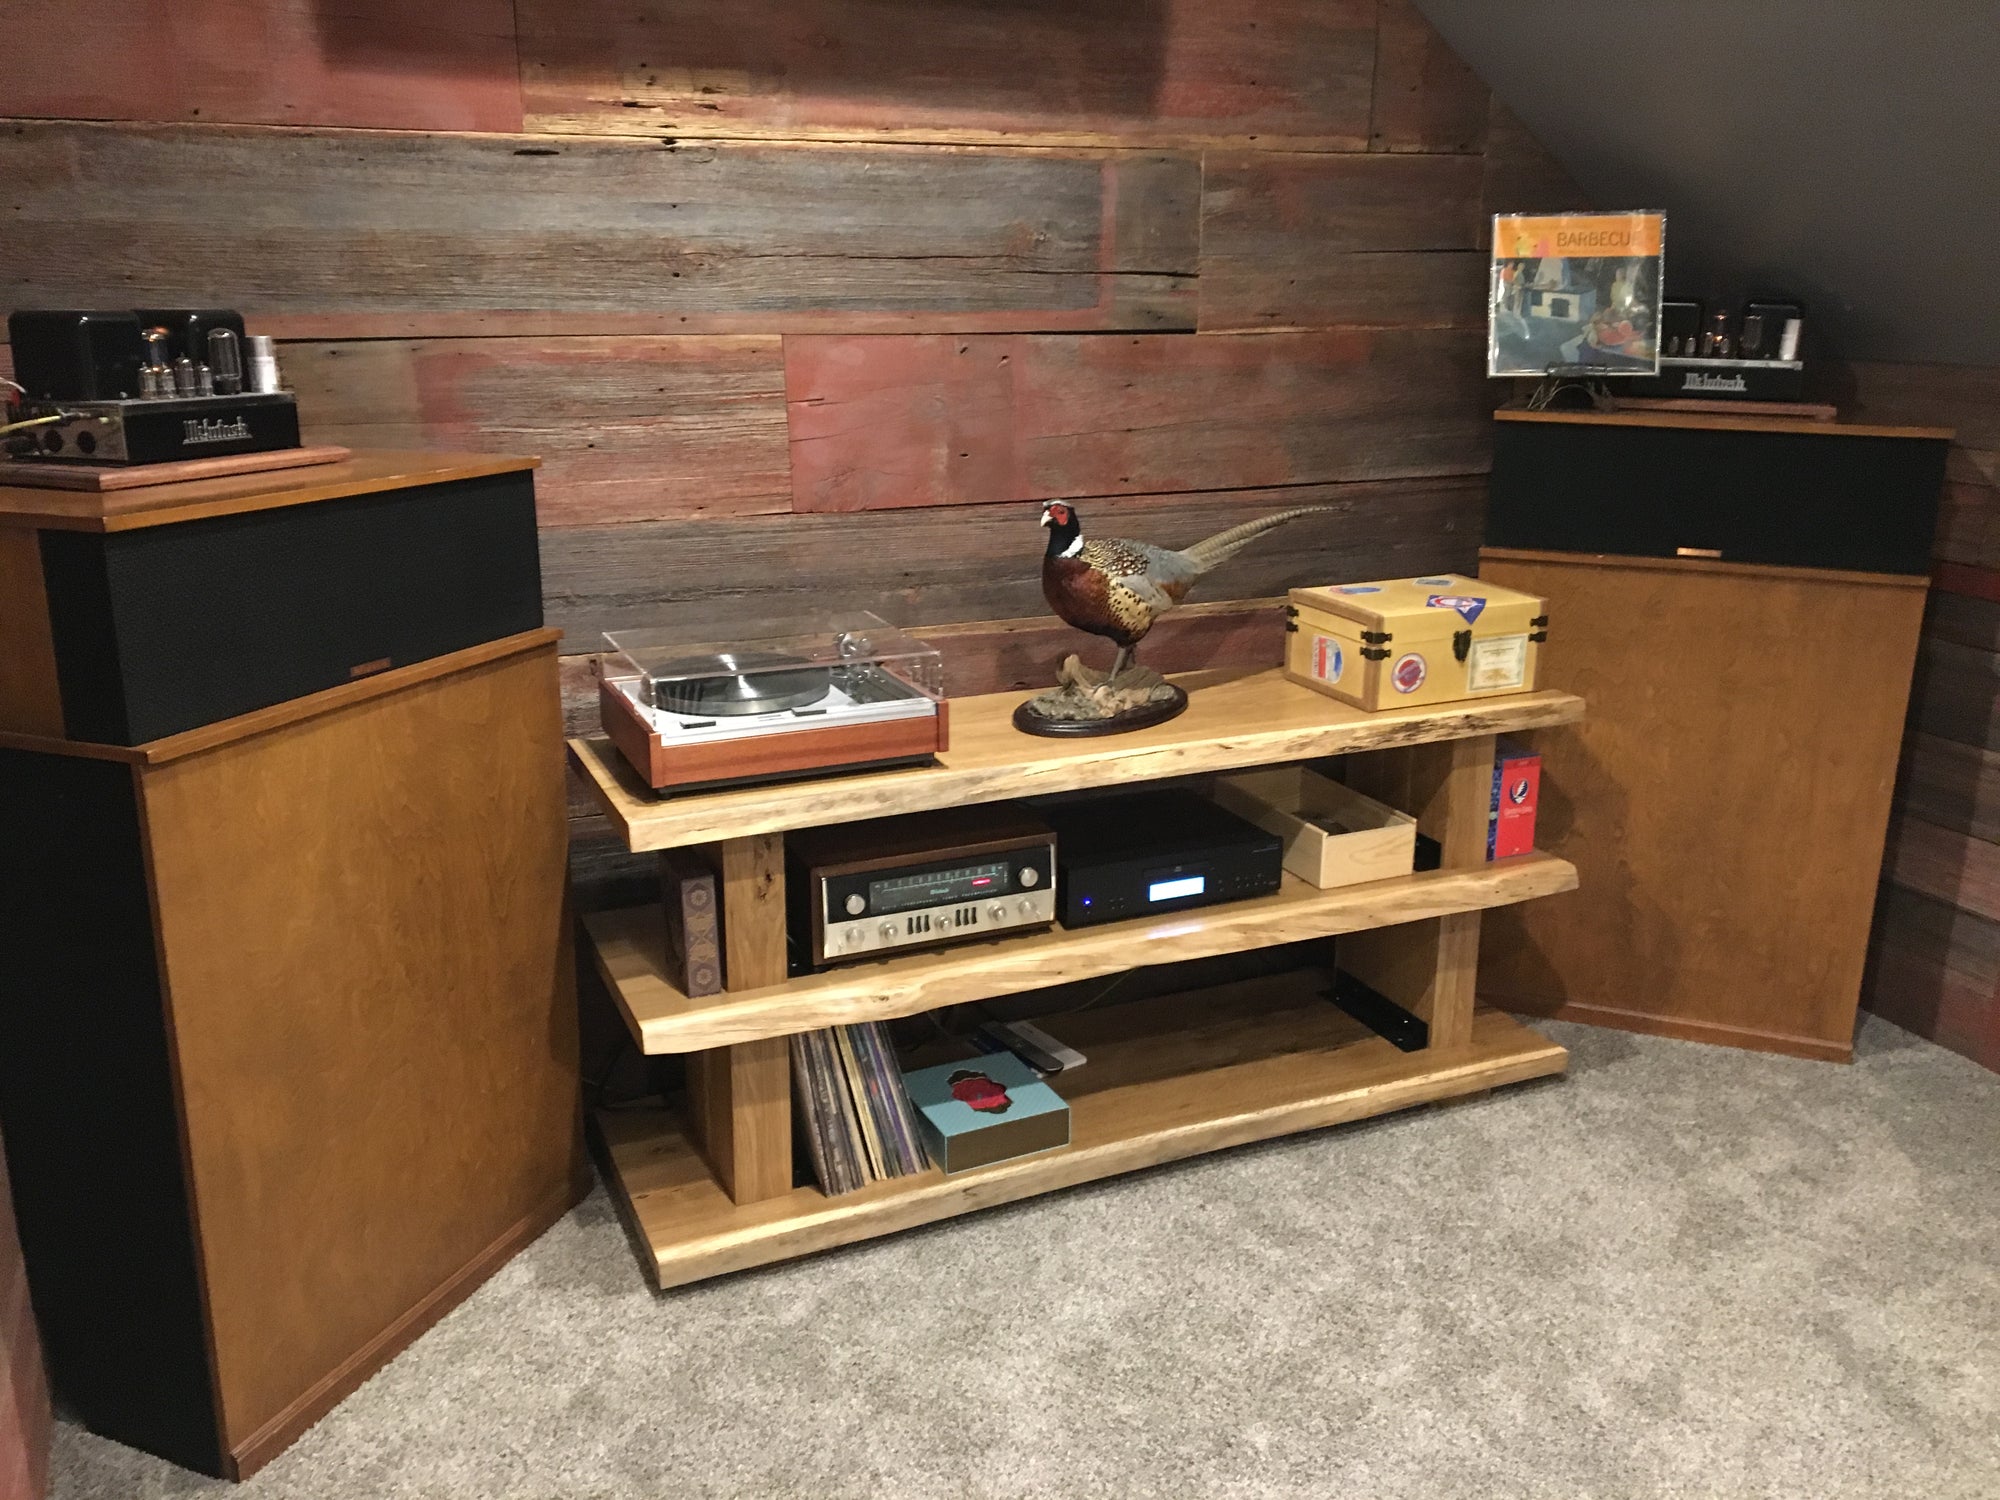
807 302
1935 964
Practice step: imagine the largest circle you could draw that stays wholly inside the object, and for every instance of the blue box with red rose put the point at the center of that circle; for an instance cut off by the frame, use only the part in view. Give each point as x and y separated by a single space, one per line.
987 1109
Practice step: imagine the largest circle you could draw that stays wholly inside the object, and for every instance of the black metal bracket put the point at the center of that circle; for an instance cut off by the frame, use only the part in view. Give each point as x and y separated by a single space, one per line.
1380 1014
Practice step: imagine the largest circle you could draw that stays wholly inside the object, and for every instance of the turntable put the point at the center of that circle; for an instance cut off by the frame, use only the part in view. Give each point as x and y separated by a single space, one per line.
849 693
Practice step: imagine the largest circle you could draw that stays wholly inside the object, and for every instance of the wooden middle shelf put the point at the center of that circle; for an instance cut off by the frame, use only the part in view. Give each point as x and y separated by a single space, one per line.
629 948
1166 1078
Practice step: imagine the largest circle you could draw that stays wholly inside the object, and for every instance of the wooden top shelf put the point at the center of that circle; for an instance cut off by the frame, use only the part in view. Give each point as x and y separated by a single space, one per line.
1234 720
197 499
629 948
1722 421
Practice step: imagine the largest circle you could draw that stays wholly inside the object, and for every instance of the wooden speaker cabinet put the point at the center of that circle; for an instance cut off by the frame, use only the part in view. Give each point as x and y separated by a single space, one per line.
287 1035
1726 802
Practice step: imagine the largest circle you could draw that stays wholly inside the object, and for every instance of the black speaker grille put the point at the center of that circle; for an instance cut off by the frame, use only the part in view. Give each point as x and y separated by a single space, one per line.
164 629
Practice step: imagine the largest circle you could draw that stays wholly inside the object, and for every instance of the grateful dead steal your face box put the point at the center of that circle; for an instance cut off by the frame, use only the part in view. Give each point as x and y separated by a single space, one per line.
1437 639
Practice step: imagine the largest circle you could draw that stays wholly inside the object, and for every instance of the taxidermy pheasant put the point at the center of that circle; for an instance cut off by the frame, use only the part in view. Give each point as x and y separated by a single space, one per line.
1119 589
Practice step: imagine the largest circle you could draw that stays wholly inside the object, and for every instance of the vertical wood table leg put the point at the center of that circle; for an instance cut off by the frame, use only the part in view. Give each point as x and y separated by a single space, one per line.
742 1095
1429 968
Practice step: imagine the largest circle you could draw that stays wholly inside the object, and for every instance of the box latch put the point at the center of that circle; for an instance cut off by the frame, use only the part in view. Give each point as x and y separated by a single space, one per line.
1461 645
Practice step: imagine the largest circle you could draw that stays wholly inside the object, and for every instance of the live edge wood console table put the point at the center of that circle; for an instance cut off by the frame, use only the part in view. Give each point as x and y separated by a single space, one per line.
708 1188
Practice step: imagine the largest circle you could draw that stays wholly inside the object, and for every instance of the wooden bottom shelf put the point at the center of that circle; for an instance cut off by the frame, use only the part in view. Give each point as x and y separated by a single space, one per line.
1167 1078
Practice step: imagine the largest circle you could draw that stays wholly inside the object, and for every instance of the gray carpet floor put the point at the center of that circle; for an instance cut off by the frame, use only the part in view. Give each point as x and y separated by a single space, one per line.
1683 1271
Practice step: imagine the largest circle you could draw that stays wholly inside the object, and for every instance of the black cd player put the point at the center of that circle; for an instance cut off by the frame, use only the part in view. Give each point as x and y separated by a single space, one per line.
1126 856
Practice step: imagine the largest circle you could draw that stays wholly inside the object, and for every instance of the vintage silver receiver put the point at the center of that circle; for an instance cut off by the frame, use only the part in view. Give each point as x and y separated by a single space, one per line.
861 890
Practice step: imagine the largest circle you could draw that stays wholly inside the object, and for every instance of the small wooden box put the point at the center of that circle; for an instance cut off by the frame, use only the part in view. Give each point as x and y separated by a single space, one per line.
1414 641
1295 802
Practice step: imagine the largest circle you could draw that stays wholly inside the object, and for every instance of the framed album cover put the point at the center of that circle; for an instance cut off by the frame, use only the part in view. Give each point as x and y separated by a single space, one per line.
1576 294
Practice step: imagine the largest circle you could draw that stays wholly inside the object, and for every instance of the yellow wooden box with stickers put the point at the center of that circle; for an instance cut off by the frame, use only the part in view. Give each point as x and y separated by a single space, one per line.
1437 639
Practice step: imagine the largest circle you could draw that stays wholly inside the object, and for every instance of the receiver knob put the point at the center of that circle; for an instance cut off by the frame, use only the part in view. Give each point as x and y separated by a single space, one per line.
997 912
856 904
1030 876
853 935
1027 908
888 930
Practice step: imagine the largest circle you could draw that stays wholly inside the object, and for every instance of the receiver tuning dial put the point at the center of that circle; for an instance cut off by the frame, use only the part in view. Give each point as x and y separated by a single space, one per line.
856 904
1030 876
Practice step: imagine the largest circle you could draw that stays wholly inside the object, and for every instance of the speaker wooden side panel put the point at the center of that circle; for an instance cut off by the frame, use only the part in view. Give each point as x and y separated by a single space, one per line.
89 1111
1725 801
367 960
30 695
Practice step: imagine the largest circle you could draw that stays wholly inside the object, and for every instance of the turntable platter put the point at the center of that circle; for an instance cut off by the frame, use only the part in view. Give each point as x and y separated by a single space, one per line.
738 682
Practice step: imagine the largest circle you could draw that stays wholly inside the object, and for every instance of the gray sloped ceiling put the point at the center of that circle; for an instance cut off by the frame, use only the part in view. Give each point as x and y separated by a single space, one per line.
1845 150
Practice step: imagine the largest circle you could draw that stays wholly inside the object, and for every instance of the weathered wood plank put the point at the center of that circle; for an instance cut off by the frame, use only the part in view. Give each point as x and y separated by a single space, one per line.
1968 530
1964 620
1935 970
1134 72
1956 695
1952 785
629 429
732 578
887 423
1521 176
372 234
1316 241
1426 98
1947 866
445 65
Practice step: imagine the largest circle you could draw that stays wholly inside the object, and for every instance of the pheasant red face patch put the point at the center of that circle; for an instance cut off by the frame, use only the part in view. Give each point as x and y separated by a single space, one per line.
1409 674
977 1091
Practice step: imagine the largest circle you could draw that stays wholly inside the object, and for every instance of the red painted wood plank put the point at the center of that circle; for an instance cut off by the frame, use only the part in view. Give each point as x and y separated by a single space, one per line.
443 65
1973 583
884 423
375 233
629 429
1426 98
1320 241
1153 72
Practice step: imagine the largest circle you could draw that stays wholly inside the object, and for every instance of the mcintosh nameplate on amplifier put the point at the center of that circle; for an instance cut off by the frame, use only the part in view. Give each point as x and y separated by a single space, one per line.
1148 852
921 880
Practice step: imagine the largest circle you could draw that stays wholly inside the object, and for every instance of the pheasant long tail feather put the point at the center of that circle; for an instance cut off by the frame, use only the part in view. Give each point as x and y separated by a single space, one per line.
1226 544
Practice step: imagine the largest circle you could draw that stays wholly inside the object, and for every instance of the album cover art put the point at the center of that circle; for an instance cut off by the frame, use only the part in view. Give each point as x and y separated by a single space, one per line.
1576 294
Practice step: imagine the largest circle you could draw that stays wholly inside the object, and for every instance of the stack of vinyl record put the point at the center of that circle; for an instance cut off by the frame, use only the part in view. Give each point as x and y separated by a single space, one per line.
854 1112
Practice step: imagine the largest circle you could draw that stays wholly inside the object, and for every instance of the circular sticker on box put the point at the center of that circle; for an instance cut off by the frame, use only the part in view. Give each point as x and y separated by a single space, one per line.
1329 661
1436 583
1358 588
1409 673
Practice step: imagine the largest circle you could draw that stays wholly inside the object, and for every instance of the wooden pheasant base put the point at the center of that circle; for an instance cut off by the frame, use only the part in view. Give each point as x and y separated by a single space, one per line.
1090 702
